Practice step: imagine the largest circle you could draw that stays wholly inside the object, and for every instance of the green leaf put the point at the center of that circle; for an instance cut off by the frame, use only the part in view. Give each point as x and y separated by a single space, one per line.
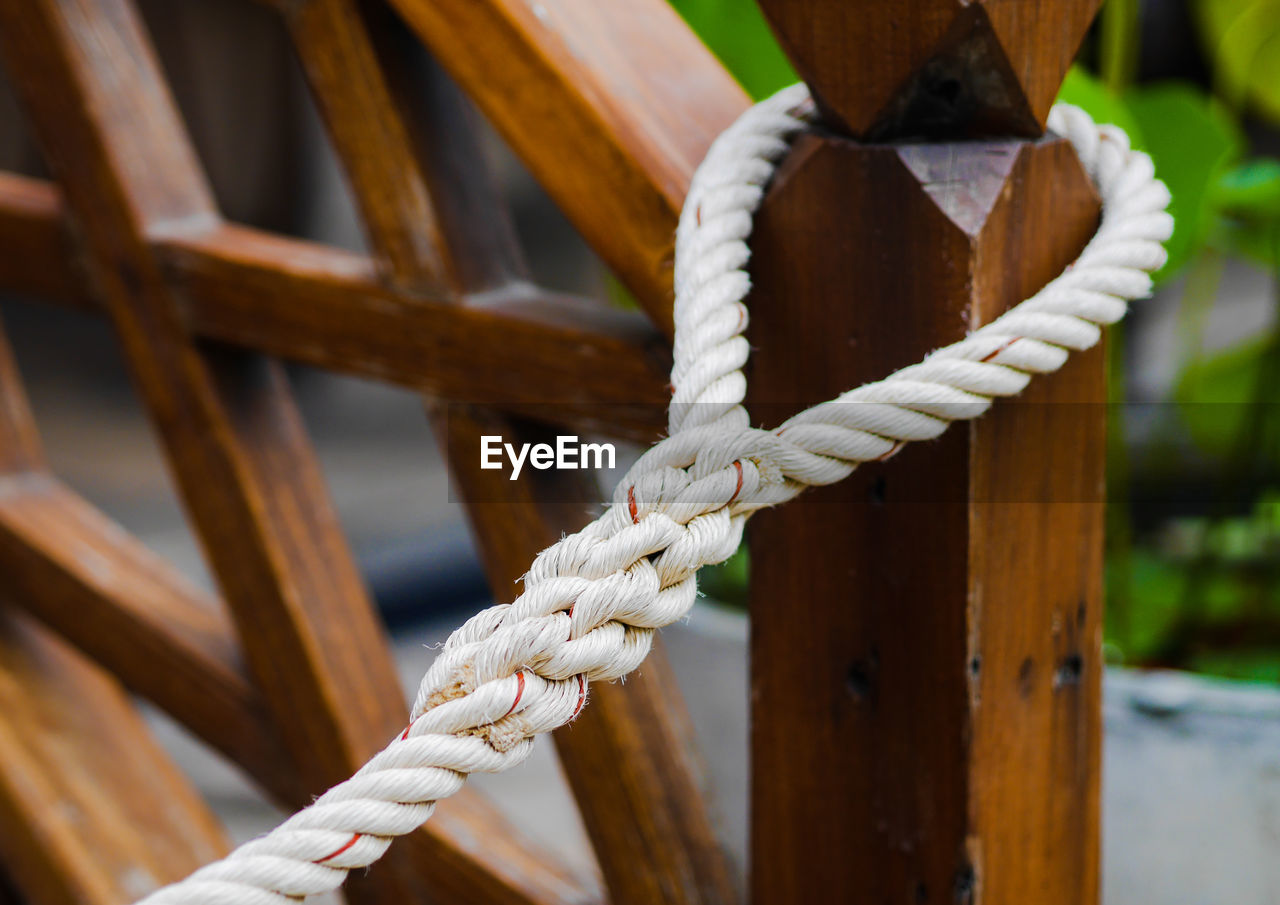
1248 199
736 32
1105 106
1245 237
1216 395
1192 142
1251 189
1155 588
1242 38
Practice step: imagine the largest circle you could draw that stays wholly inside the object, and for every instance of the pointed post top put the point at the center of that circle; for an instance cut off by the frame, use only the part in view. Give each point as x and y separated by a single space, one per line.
890 69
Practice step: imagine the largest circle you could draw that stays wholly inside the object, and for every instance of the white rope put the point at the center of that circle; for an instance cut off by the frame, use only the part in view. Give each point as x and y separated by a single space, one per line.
592 601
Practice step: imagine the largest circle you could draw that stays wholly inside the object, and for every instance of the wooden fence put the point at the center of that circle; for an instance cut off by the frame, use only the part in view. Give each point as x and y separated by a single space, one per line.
946 745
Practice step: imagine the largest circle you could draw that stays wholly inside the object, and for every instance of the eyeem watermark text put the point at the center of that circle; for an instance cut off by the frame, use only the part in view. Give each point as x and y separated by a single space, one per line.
568 454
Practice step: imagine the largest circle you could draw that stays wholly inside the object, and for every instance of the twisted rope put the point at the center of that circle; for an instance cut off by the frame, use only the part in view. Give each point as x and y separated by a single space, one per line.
592 601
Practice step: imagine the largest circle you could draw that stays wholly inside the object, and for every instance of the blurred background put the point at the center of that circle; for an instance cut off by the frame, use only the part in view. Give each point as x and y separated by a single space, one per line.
1193 557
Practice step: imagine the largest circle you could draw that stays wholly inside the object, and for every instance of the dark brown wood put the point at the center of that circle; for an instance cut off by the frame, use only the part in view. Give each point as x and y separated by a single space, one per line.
371 139
925 636
891 69
39 259
629 757
19 443
480 247
92 811
64 724
926 686
91 86
611 105
549 356
84 576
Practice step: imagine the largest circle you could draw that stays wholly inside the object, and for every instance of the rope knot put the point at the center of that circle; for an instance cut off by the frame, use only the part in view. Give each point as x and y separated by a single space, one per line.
591 602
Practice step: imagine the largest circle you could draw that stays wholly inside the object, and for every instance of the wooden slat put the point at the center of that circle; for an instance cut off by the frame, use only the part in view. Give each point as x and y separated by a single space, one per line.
92 812
611 105
85 577
628 758
236 443
550 356
629 755
64 724
403 135
925 648
38 253
481 249
371 140
358 103
88 579
19 443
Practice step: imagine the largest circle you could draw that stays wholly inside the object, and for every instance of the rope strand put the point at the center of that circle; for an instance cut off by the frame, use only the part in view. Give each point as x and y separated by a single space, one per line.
591 602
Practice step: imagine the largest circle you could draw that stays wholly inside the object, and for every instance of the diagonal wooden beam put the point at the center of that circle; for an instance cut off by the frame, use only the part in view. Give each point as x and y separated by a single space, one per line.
39 260
545 355
92 811
629 762
397 186
73 825
96 99
629 757
88 579
371 140
611 105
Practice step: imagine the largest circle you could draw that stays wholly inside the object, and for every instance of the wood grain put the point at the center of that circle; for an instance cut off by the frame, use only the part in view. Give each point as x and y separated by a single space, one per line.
925 636
235 441
938 68
629 757
610 105
19 443
39 260
370 138
92 811
85 577
543 354
480 248
63 796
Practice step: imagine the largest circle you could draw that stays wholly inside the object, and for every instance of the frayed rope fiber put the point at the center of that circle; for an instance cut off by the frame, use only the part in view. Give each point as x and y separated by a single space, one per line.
591 602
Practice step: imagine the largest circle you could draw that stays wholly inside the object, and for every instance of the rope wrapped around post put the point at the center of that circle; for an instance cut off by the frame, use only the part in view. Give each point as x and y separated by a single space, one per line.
592 601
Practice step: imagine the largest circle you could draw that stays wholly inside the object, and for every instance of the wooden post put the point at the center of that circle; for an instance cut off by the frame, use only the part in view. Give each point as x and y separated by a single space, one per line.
926 636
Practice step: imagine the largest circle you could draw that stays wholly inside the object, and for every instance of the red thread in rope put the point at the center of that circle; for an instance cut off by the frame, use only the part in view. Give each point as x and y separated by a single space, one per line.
892 451
519 694
631 504
737 463
582 695
1001 349
355 837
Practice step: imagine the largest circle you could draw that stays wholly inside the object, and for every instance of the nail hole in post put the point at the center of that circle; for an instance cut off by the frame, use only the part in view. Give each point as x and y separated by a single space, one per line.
1069 671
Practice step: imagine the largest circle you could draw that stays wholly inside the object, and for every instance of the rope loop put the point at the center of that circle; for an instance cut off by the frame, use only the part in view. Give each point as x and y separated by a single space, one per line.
591 602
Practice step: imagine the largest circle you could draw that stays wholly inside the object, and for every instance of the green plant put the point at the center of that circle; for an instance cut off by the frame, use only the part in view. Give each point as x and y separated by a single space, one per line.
1203 591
